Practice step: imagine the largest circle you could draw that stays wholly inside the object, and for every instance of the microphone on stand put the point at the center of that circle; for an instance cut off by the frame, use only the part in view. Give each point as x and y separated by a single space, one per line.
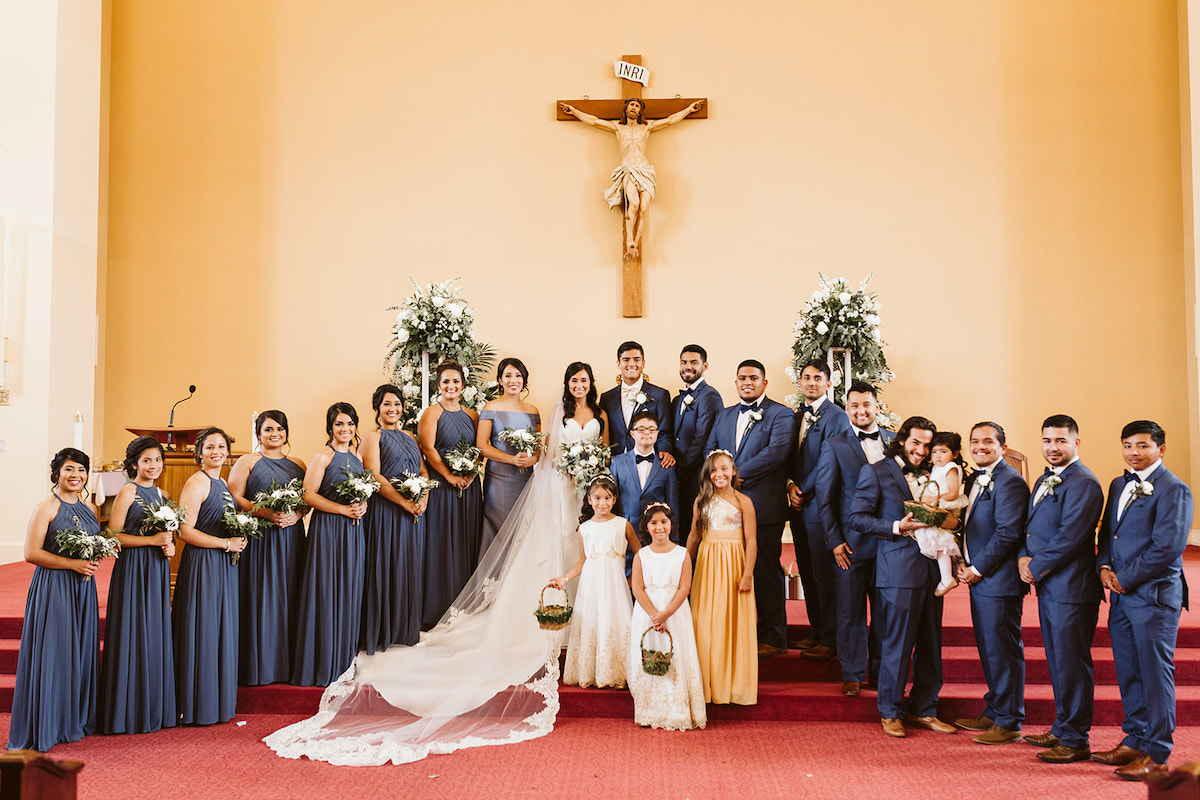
171 421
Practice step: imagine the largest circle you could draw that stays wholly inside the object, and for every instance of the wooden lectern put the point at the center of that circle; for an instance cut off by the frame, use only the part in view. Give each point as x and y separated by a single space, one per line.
30 775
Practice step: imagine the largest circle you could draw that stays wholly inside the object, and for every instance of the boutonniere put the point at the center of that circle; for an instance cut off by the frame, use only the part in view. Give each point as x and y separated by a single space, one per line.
1049 482
753 417
1140 489
687 401
640 398
983 481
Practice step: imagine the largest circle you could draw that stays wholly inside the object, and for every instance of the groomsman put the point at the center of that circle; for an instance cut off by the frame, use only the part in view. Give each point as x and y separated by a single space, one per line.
992 536
1059 559
1142 538
634 394
842 459
906 582
758 431
693 412
816 421
642 480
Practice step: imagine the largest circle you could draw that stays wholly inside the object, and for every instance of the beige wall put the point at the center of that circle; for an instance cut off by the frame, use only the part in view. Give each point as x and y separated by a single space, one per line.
278 170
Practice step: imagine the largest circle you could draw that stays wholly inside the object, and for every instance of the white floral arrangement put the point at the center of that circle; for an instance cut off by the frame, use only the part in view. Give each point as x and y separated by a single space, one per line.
436 320
357 487
161 517
583 462
239 523
522 440
464 460
284 499
413 486
78 543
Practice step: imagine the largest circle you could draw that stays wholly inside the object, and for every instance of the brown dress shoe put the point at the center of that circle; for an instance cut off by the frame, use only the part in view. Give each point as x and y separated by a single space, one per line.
1042 739
980 723
930 724
1061 754
807 643
819 653
893 727
1142 768
1119 756
851 688
997 735
768 650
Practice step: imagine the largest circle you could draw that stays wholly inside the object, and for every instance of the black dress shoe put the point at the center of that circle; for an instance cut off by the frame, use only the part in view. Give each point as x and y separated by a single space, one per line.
1061 754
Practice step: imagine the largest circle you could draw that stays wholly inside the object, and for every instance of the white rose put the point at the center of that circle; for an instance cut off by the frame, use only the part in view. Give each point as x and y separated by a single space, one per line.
822 328
401 335
845 298
438 302
455 309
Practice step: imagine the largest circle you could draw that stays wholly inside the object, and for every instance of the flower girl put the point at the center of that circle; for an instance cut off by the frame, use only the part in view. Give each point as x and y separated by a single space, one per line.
943 489
723 542
599 634
662 578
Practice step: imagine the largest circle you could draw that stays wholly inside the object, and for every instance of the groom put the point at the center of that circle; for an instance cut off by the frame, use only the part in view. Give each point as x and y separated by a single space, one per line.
634 394
759 432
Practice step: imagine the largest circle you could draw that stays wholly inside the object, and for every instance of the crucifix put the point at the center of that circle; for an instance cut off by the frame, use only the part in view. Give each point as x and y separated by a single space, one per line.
633 182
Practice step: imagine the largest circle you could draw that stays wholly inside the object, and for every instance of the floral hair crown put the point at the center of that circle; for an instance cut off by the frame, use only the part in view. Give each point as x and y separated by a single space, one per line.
656 504
601 479
721 452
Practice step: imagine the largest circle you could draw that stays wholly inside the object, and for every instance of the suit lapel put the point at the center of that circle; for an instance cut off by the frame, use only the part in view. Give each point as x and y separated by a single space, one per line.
898 476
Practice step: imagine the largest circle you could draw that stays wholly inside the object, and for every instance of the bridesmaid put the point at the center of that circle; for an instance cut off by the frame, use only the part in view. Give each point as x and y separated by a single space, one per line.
394 529
507 471
269 569
206 591
55 696
137 675
331 584
454 523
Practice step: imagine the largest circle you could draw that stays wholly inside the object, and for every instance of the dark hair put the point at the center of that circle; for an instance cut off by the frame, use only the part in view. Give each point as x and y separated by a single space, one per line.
625 111
382 392
517 364
211 430
994 426
643 528
65 455
756 364
819 364
446 366
625 346
273 414
645 413
568 399
952 442
134 451
586 511
1157 434
695 348
896 447
706 494
331 416
862 387
1062 421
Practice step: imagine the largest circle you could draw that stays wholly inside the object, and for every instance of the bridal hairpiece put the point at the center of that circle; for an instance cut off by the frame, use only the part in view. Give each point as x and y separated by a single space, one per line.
719 451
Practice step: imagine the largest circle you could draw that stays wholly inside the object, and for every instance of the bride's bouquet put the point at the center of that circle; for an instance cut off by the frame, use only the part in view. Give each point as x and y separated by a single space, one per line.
357 488
284 499
162 517
583 462
523 440
464 460
78 543
412 486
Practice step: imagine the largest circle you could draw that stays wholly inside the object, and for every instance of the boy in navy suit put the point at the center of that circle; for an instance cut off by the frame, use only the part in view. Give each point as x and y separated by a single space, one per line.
693 411
642 479
1146 524
634 394
1059 558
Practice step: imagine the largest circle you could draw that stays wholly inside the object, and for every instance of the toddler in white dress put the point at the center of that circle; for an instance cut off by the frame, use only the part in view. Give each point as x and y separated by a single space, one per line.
943 489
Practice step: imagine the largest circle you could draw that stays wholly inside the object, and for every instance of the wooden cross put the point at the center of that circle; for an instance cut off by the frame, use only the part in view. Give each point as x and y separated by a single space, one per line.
655 108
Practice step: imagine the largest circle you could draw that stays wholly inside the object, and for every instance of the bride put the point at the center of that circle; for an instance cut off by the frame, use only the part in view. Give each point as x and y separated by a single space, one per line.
486 673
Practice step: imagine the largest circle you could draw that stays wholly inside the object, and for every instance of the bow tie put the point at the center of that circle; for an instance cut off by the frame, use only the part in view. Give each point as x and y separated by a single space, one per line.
1130 476
743 408
808 410
688 391
1048 473
863 435
911 469
629 391
640 458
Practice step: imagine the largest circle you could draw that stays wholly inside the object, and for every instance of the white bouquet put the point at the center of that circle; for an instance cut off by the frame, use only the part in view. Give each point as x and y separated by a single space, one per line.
164 516
284 499
78 543
357 488
464 460
413 487
240 523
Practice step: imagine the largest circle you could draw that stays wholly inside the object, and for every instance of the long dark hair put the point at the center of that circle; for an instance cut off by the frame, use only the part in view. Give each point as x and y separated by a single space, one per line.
953 442
331 416
586 511
135 449
516 364
592 399
896 447
643 530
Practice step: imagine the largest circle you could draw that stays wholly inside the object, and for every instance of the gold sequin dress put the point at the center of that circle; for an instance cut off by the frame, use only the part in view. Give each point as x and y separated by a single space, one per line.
726 637
599 637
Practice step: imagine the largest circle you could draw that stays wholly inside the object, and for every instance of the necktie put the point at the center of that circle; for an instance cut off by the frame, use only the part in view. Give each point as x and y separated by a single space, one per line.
863 435
640 458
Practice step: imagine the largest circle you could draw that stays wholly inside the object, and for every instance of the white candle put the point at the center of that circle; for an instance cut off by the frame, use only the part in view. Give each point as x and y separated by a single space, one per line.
78 430
254 446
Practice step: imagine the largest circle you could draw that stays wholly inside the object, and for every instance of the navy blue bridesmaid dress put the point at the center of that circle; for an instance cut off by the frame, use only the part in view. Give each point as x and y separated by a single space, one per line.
503 483
395 540
453 526
269 574
137 675
331 587
206 620
57 667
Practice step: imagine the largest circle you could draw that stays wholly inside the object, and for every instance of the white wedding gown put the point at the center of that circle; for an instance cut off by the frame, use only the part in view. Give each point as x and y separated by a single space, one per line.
486 674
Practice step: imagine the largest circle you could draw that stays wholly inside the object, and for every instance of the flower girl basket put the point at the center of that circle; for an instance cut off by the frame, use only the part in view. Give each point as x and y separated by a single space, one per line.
656 662
553 618
931 515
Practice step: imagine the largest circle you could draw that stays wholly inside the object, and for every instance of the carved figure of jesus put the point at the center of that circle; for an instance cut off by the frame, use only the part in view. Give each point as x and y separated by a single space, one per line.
633 181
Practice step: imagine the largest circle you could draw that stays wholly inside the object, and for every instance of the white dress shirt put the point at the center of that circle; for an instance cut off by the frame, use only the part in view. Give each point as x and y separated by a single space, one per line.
1041 492
743 421
872 448
816 405
643 467
629 398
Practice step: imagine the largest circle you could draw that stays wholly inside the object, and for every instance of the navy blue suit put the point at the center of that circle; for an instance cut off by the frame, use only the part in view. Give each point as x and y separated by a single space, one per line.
815 562
994 531
1060 538
1145 548
660 487
658 400
905 580
762 463
692 423
842 459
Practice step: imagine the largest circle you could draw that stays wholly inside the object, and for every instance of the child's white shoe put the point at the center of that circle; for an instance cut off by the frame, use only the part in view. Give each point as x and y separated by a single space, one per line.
943 587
